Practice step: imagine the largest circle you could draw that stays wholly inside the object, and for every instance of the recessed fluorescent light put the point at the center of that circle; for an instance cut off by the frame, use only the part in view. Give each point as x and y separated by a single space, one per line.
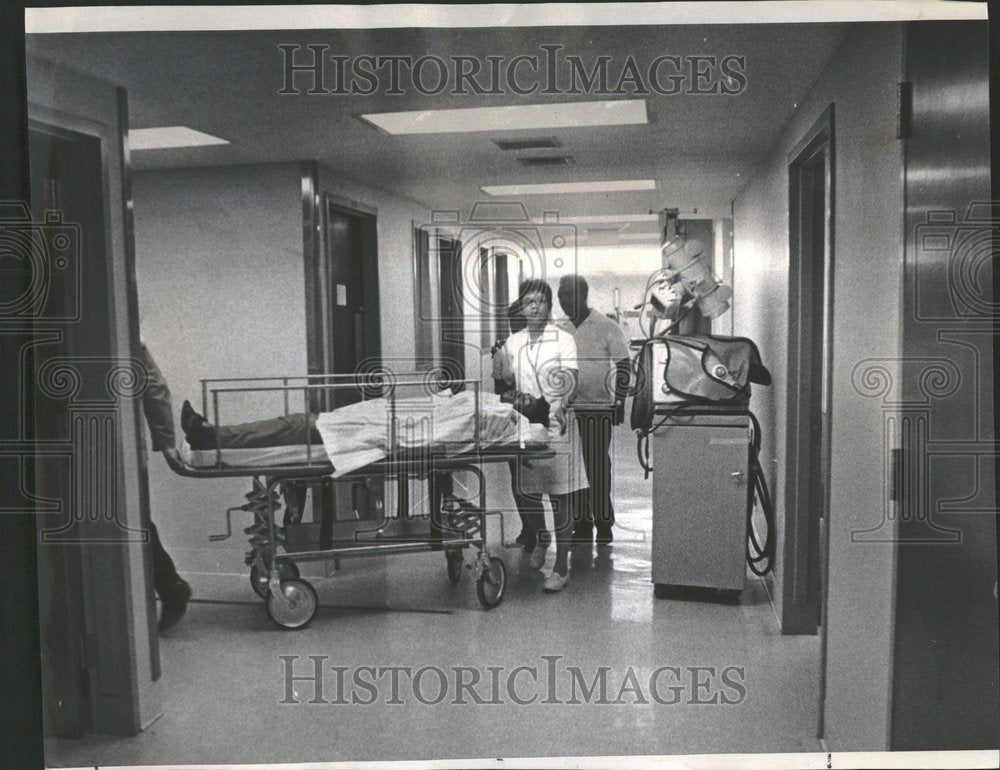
617 112
586 220
168 137
639 236
549 188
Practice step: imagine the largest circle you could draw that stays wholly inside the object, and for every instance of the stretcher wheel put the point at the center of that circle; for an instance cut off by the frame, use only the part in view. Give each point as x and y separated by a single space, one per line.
492 583
455 563
298 606
258 580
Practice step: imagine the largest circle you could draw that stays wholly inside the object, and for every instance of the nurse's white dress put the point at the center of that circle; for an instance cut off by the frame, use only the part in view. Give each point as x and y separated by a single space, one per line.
536 365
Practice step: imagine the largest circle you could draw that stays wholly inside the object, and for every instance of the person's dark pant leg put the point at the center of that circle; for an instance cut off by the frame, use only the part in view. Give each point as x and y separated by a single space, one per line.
278 431
583 514
595 435
172 589
523 505
165 575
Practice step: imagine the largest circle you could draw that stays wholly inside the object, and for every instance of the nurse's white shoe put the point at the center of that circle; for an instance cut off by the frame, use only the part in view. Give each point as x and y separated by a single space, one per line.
555 583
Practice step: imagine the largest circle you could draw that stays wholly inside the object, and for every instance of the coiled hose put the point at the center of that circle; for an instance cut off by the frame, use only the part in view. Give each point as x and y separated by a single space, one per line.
756 554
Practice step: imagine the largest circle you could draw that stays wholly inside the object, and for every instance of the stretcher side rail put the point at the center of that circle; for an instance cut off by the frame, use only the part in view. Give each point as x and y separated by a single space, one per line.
323 387
399 463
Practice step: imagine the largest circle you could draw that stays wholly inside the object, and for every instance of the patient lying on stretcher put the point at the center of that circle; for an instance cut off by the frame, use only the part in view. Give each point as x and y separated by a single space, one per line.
361 433
287 430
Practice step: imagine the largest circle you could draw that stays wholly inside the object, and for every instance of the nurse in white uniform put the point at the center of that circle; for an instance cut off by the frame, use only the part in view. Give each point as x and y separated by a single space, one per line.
543 360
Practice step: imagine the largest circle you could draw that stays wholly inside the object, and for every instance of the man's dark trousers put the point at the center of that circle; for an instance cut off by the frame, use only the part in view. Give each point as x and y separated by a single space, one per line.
595 436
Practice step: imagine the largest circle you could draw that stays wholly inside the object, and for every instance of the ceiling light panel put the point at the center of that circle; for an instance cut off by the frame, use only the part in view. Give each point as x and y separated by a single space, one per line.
556 188
586 220
170 137
619 112
639 236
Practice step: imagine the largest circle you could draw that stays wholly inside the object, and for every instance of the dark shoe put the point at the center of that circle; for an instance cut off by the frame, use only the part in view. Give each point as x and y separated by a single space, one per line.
198 433
604 536
189 416
583 535
175 602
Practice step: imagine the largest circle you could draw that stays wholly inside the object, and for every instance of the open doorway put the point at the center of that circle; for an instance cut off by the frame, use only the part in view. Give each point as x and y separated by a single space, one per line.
66 180
810 290
810 179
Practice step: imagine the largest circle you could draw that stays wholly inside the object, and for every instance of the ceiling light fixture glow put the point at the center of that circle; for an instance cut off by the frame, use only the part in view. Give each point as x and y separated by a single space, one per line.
615 218
170 137
639 236
514 117
555 188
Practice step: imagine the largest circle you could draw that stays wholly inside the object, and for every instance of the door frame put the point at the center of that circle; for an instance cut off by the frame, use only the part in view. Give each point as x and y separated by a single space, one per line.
804 548
316 204
122 645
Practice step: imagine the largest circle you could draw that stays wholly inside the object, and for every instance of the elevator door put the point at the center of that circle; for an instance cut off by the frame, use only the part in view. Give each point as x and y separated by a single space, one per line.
352 295
945 660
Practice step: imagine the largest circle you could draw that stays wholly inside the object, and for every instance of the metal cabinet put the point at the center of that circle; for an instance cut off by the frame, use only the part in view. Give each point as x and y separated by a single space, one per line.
700 497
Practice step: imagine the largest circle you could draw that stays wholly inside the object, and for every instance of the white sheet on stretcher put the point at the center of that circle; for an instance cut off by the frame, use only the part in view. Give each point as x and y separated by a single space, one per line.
357 435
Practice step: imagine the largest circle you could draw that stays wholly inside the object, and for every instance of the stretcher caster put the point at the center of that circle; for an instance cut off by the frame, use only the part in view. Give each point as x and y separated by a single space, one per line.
492 583
455 563
295 607
258 579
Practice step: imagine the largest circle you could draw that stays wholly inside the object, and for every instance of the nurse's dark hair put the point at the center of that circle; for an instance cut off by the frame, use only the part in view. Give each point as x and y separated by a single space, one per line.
533 285
515 318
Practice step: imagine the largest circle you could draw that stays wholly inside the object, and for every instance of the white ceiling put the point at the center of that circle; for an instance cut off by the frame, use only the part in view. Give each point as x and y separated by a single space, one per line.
700 149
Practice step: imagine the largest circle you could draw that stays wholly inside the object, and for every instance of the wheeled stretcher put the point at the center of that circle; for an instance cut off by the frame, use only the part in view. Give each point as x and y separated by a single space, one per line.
286 472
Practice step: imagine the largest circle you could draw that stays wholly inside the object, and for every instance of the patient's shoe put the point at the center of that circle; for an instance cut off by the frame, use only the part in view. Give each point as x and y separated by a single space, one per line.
555 583
188 416
537 558
175 601
197 431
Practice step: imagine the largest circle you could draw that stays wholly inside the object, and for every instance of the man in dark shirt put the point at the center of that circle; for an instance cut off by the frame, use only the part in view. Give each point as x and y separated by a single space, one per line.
172 589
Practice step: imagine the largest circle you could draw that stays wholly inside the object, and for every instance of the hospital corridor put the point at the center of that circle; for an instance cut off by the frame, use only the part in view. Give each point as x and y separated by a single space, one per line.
499 386
402 611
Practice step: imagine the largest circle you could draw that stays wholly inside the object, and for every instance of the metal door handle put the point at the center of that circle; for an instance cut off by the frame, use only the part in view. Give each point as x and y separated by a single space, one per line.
738 475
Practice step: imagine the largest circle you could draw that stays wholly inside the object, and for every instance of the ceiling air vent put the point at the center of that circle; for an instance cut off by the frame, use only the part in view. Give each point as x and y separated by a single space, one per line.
548 160
546 143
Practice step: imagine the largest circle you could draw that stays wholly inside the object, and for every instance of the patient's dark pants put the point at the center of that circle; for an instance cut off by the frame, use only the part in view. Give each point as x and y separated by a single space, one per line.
277 431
